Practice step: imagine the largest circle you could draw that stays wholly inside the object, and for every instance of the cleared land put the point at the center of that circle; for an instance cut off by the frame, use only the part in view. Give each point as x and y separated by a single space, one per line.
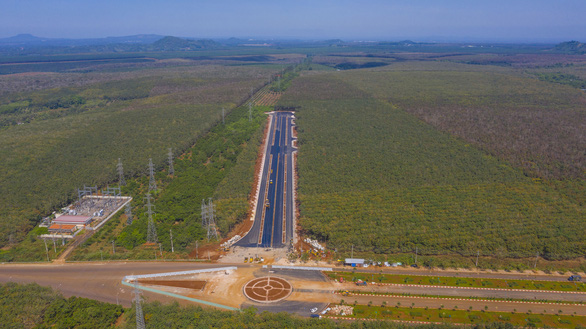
376 177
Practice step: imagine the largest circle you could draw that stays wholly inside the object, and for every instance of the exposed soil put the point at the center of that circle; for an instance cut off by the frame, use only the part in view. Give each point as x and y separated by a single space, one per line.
267 289
195 285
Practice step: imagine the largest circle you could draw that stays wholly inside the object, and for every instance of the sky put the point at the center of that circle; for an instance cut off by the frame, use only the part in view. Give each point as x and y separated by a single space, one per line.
418 20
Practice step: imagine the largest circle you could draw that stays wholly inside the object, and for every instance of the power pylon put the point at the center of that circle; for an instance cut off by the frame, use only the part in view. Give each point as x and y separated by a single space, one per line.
207 214
152 181
151 230
171 169
204 215
120 169
138 304
128 213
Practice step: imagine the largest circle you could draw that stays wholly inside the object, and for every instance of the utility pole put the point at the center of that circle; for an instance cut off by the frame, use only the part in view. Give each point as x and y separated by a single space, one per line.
416 255
161 249
54 246
171 169
477 254
171 234
250 111
152 181
196 249
352 252
121 180
223 115
536 257
113 247
46 249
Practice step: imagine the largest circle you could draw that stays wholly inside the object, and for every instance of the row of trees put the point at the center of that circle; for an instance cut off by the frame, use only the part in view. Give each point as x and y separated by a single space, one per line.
375 177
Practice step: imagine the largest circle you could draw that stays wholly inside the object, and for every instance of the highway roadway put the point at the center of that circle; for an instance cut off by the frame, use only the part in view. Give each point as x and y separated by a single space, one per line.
273 220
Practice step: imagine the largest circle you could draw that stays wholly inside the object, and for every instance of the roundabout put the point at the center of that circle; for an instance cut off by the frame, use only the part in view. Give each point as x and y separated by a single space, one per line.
268 289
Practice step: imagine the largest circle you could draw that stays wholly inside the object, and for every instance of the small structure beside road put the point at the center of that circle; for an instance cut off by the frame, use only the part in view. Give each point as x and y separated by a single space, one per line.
354 262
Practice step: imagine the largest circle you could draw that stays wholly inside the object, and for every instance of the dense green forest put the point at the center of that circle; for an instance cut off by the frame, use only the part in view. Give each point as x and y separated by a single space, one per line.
55 140
374 176
219 165
33 306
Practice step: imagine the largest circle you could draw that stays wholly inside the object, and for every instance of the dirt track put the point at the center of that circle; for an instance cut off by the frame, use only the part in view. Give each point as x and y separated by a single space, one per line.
100 281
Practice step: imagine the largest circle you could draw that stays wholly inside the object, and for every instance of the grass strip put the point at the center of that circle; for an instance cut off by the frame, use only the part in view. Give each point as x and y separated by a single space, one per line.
460 282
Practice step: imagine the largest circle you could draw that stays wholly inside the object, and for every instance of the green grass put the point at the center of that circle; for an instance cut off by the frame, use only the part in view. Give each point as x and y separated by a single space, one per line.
461 282
376 177
390 294
466 317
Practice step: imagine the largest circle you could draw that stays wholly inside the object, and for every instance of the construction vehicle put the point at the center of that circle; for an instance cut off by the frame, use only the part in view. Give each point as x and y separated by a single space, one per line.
575 278
345 293
361 283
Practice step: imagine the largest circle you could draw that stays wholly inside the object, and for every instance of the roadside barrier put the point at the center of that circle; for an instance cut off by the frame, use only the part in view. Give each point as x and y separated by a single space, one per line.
160 275
307 268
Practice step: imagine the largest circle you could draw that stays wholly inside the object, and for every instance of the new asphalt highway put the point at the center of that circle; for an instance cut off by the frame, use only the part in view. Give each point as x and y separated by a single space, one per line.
273 221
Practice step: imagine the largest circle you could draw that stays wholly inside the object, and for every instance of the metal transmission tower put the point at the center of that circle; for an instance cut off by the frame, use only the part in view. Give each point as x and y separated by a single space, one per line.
138 304
152 181
207 214
171 169
204 215
151 230
121 180
128 213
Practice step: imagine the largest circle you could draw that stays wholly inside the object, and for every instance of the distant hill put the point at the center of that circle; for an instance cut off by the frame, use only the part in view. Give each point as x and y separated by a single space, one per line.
29 44
170 43
31 40
571 47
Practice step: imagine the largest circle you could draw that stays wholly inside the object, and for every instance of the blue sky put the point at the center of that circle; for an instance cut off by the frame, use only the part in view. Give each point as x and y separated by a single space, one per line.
419 20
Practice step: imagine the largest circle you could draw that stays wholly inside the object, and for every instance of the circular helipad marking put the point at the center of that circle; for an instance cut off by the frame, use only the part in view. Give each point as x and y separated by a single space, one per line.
267 289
